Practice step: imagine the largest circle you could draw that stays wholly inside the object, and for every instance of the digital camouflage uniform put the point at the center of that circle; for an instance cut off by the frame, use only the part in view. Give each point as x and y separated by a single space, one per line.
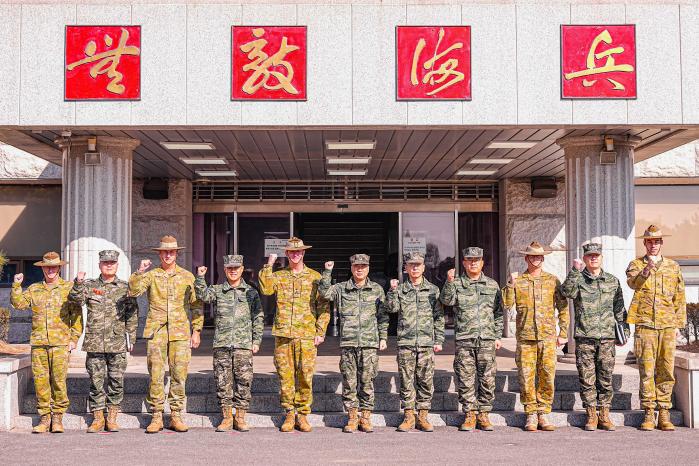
536 300
658 308
302 314
598 303
239 322
171 297
111 315
55 323
478 323
363 323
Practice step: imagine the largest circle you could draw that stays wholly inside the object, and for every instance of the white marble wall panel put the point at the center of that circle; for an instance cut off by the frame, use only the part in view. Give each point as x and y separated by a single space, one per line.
9 64
689 27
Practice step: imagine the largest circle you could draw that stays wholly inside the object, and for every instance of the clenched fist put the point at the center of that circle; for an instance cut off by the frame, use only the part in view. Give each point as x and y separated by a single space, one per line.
19 278
81 277
578 265
271 259
646 271
394 284
201 271
513 277
329 265
451 273
145 265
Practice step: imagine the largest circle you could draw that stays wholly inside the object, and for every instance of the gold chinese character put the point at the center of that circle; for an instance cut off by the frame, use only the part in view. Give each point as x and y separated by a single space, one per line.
261 62
108 61
609 65
445 70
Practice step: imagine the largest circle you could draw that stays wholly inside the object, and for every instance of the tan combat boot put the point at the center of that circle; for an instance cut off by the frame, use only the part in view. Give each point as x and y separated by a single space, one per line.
649 420
57 423
469 422
365 421
176 422
532 422
240 425
605 422
97 422
289 420
664 422
156 423
484 421
592 418
422 423
302 423
43 426
545 424
408 421
352 421
227 421
112 425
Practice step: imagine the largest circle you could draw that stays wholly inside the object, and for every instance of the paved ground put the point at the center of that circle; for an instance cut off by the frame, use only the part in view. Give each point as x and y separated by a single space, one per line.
330 446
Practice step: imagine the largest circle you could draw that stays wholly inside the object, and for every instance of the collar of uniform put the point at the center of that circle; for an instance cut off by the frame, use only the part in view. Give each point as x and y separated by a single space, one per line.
658 264
529 276
241 286
113 282
602 275
407 285
58 283
466 281
305 271
160 271
350 285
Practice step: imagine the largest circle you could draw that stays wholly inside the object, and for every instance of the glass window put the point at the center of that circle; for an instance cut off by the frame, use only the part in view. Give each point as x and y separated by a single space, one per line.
432 234
480 229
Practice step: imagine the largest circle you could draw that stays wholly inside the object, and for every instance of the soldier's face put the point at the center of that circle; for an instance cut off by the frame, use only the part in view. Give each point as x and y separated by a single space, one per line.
51 273
108 268
415 270
295 256
473 265
168 257
653 246
234 273
535 261
360 271
593 261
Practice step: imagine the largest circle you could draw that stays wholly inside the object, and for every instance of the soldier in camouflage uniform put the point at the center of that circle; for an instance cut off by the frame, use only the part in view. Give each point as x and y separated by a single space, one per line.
110 331
537 296
363 328
477 329
420 335
599 304
171 297
239 324
56 328
299 327
659 310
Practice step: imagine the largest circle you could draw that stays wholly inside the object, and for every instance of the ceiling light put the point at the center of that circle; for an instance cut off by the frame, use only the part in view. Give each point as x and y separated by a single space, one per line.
200 161
172 145
491 161
475 172
350 145
217 173
348 160
347 172
511 144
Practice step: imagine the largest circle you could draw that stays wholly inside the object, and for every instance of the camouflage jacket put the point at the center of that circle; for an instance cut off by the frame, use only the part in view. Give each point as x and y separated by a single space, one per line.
537 299
658 300
478 311
239 317
55 320
420 314
301 311
111 314
598 303
170 298
363 317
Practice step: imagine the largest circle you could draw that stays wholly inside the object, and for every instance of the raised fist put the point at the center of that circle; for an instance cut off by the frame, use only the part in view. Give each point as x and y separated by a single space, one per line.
201 271
329 265
451 273
271 259
578 265
513 277
394 283
19 278
145 265
81 277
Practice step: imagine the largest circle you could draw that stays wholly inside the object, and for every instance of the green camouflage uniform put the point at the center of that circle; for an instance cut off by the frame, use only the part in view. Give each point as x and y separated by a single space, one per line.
55 323
239 322
420 328
171 297
598 303
363 323
478 323
302 314
111 315
537 299
658 308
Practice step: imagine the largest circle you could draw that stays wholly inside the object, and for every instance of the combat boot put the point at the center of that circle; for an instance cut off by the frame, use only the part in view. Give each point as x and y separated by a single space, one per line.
408 421
302 423
176 422
239 421
112 425
289 421
545 424
531 424
365 421
97 422
43 426
57 423
156 423
484 421
649 420
422 423
469 422
352 421
227 421
664 422
605 422
592 418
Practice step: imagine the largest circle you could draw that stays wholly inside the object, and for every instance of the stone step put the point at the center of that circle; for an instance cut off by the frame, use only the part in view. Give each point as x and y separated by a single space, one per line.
632 418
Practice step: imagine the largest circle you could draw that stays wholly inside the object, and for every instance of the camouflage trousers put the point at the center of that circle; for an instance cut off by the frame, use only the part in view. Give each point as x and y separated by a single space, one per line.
655 351
358 367
474 370
416 371
295 361
176 355
109 367
233 373
595 361
536 364
50 370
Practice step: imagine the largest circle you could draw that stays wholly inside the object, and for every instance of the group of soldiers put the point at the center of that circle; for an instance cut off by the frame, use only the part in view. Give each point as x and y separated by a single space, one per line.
303 299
